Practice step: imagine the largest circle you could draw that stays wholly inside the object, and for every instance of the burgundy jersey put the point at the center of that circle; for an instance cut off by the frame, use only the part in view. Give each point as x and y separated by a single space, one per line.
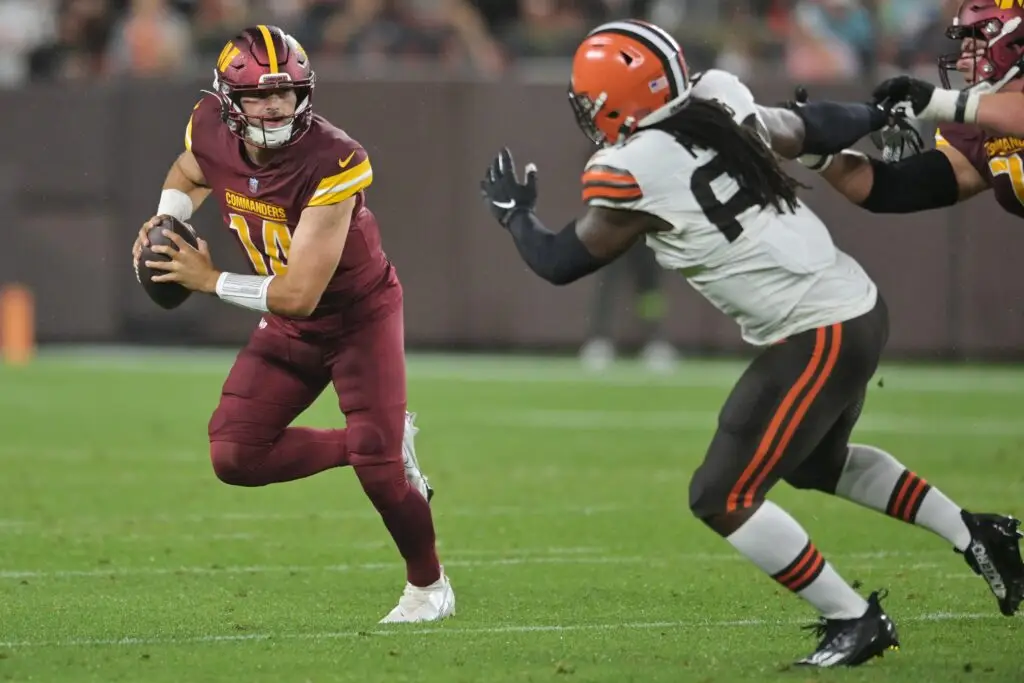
999 160
261 205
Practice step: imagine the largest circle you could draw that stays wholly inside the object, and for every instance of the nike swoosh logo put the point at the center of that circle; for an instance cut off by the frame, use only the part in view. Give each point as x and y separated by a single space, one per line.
504 205
344 163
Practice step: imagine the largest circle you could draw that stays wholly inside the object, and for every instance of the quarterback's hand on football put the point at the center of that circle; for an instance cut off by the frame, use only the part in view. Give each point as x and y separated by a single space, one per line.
190 268
142 241
502 190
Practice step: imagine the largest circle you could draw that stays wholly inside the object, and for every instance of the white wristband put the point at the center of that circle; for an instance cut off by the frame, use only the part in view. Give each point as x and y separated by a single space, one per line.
816 162
951 105
175 203
971 108
245 291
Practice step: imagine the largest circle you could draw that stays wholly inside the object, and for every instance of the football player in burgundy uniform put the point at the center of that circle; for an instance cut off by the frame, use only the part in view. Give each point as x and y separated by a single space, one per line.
967 160
291 189
991 57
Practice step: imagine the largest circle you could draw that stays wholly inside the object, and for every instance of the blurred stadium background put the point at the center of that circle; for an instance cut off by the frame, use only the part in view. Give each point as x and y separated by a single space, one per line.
95 95
562 493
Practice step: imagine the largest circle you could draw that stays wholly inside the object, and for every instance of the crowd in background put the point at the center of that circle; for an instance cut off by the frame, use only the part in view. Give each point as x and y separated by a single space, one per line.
812 40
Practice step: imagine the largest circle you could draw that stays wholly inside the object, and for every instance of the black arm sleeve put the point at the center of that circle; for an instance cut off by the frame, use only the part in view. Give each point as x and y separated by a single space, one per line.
918 183
559 258
831 127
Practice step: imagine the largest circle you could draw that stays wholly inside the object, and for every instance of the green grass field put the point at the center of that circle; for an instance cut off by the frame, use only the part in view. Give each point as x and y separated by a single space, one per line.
563 523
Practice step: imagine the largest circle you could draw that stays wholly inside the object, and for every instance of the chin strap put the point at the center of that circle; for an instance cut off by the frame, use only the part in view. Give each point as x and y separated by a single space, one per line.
985 87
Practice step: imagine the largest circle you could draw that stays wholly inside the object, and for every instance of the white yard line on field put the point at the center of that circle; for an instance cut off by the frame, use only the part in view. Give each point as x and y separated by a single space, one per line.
849 560
455 631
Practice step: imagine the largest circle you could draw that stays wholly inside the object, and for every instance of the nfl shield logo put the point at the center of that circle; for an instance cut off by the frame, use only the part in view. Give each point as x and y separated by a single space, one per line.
253 185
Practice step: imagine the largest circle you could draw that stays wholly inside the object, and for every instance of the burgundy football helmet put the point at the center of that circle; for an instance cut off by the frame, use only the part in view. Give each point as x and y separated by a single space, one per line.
998 28
263 58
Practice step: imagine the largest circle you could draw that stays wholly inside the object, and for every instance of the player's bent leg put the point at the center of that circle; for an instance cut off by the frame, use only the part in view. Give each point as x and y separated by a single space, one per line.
274 378
375 454
369 377
871 477
781 407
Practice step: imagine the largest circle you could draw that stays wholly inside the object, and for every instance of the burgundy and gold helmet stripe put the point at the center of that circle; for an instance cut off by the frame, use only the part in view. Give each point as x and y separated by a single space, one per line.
227 55
268 40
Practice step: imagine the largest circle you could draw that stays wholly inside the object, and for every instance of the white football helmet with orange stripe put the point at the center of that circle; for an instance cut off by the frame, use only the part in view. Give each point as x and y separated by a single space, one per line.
626 75
261 59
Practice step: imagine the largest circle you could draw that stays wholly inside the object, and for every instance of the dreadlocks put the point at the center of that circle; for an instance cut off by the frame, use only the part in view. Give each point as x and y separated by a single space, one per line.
708 125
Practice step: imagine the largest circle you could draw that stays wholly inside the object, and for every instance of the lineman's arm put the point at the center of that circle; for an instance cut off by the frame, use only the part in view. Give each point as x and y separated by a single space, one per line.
930 180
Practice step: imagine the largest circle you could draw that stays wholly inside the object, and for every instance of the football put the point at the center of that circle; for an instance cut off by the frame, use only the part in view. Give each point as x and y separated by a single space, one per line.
164 294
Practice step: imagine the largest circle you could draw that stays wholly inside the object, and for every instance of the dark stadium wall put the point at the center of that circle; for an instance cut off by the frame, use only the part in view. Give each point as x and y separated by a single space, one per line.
77 194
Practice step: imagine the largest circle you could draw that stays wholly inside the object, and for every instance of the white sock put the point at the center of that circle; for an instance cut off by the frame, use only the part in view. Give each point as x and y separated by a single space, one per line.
875 479
777 544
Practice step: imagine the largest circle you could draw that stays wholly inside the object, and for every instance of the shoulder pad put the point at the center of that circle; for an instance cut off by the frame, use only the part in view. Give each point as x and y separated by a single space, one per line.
342 170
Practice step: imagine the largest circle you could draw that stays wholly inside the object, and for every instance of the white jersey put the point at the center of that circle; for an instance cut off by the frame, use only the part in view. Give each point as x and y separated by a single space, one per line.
776 274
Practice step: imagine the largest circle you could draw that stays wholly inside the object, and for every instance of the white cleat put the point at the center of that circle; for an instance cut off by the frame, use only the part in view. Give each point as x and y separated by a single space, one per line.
430 603
412 466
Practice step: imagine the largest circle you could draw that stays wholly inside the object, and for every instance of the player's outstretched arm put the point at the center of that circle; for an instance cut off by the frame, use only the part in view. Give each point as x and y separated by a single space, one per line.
583 246
315 252
930 180
1001 111
819 127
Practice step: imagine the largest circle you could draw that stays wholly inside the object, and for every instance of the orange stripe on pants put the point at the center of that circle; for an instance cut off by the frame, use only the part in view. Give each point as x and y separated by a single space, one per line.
801 411
737 498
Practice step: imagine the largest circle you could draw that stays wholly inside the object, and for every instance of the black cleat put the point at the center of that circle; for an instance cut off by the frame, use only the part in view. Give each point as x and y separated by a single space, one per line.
851 642
994 553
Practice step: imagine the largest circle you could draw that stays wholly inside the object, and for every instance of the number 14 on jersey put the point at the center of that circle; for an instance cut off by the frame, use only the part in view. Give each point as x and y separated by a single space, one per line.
268 248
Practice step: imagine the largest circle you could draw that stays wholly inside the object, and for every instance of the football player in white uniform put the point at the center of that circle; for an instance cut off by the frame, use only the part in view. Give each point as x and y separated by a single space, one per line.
687 165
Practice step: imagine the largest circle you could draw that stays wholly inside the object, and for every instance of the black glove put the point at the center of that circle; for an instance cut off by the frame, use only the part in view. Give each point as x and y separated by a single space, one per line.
502 190
904 89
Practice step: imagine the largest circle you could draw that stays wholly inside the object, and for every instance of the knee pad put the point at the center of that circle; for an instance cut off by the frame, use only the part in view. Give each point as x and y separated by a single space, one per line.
371 441
709 494
234 463
365 438
375 453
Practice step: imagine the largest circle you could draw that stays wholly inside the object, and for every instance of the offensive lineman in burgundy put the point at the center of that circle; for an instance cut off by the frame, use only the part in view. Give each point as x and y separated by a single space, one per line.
291 188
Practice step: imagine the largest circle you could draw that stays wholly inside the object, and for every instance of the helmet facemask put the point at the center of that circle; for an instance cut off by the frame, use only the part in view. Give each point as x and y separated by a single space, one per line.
997 53
586 111
254 129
